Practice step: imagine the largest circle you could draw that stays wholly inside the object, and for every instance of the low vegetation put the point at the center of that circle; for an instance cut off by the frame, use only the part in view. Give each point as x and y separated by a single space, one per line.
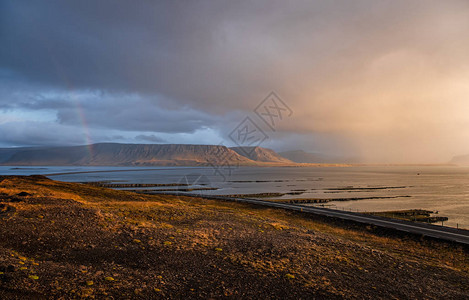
68 240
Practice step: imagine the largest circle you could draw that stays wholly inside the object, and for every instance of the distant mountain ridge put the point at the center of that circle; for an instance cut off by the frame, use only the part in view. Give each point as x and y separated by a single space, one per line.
114 154
261 154
300 156
462 160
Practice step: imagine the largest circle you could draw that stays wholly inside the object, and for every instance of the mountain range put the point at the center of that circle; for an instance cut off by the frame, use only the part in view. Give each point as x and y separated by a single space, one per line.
113 154
462 160
300 156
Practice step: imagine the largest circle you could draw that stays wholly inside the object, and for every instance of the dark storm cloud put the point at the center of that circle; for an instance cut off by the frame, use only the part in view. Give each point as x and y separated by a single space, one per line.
149 138
217 55
39 134
133 113
385 77
163 47
104 110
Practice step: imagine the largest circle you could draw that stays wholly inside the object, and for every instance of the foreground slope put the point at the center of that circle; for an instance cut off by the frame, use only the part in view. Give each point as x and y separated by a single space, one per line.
70 240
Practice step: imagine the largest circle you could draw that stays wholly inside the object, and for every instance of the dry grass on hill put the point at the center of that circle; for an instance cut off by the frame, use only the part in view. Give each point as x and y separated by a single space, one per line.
71 240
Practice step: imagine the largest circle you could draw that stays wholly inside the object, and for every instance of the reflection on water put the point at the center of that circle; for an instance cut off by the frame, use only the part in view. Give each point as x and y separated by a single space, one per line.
443 189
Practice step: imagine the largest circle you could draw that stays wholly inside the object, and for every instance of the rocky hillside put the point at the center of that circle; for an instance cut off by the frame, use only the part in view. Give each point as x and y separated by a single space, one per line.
76 241
112 154
261 154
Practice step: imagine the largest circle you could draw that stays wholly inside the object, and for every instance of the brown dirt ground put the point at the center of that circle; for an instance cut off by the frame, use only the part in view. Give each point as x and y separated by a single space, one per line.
65 240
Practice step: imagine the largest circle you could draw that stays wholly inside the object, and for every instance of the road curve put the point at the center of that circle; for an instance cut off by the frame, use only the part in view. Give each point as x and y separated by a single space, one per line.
439 232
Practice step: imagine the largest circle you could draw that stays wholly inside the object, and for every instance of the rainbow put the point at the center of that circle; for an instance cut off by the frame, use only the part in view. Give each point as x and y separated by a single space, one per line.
84 124
78 107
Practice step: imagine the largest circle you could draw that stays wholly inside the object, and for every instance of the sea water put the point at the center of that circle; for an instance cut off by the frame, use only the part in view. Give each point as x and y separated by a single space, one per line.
436 188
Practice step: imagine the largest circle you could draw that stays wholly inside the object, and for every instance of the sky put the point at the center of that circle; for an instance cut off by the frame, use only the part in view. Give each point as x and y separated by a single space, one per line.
385 81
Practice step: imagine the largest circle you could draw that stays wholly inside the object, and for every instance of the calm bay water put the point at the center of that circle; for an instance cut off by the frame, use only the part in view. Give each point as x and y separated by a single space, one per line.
443 189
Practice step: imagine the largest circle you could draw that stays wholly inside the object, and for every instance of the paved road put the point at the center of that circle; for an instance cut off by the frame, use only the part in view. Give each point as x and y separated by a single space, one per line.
435 231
